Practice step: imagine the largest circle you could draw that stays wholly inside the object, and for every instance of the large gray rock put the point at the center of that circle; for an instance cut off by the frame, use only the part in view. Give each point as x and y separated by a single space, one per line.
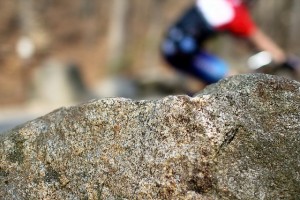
238 139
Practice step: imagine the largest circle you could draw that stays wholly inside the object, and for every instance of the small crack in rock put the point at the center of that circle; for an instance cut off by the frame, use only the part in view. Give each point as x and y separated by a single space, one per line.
229 137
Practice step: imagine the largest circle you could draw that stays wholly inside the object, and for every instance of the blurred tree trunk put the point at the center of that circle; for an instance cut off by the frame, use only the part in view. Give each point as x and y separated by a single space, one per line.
274 18
153 37
294 42
31 25
117 34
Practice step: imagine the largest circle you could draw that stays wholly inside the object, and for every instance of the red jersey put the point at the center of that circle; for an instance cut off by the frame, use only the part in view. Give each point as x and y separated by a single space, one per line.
227 15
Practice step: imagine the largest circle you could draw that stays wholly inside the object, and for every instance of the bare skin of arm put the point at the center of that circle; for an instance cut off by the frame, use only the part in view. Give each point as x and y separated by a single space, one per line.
263 43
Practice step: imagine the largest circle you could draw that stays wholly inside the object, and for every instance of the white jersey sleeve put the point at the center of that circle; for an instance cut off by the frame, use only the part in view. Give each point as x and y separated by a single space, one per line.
216 12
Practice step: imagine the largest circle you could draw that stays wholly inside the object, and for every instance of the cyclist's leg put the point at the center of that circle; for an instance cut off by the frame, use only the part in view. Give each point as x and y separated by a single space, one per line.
182 52
209 67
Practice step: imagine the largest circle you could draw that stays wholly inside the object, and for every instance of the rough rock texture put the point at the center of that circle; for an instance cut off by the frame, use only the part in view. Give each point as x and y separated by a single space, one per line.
238 139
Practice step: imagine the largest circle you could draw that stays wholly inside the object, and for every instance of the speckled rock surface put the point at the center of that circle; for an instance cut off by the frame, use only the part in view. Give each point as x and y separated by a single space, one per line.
238 139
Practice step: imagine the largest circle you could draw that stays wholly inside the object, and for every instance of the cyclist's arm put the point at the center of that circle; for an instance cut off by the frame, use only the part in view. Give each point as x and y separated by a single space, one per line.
263 43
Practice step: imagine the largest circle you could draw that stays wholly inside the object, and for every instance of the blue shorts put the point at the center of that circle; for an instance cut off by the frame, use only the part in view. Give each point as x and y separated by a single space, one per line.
186 57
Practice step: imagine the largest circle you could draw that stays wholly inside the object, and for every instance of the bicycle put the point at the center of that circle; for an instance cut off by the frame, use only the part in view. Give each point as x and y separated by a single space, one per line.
262 63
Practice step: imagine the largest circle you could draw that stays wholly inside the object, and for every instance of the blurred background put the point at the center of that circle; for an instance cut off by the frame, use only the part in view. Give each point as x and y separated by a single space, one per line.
56 53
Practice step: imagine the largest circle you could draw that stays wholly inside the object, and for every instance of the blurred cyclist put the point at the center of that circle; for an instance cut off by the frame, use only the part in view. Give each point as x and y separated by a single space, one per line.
183 44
